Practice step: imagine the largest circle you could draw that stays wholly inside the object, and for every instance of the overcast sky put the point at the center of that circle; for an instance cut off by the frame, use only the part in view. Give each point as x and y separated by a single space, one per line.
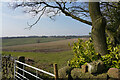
14 23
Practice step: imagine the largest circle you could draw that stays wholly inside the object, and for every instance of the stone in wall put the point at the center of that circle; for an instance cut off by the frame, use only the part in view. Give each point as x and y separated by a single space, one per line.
64 73
114 73
96 67
77 74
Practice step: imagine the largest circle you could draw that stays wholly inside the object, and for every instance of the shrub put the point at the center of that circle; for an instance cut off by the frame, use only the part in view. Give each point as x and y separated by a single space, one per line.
84 52
113 58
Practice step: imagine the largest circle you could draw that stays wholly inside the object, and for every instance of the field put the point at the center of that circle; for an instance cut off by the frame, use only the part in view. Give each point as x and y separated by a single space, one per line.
21 41
54 46
44 54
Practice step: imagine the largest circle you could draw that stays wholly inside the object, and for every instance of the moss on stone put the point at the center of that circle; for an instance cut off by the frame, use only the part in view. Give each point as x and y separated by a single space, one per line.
76 73
64 73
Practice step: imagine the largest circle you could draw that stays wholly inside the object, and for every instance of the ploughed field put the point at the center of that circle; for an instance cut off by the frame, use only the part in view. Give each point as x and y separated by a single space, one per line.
43 54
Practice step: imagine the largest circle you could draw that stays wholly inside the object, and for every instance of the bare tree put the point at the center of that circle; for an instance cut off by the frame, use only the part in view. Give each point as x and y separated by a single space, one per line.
88 13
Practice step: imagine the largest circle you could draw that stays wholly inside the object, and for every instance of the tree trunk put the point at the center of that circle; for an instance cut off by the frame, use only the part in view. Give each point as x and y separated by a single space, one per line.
98 28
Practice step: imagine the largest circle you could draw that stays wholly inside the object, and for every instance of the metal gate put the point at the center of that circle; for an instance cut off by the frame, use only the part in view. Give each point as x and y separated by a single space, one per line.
21 76
13 69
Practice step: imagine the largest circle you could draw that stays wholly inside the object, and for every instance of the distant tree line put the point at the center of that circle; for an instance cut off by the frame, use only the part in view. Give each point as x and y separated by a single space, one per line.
67 37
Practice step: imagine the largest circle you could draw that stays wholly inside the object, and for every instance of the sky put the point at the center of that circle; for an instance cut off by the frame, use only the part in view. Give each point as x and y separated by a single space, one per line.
15 21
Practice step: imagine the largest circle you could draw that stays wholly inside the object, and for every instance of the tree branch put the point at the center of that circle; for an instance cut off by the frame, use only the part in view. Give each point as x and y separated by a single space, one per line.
30 26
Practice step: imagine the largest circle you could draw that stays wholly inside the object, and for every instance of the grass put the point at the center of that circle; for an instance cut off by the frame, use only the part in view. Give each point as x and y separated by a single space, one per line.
45 61
45 54
21 41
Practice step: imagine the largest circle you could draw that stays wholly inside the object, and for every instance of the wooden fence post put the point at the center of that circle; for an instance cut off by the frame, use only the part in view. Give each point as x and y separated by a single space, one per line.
56 71
21 59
